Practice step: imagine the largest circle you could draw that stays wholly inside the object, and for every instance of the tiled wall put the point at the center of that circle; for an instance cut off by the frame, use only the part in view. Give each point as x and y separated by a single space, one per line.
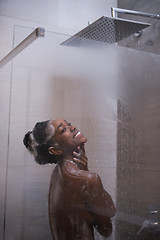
32 91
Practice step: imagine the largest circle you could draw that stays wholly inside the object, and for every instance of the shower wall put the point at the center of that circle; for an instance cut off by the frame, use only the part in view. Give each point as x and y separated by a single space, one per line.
34 88
138 165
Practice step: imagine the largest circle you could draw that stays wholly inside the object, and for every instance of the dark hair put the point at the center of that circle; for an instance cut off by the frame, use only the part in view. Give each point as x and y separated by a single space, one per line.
38 142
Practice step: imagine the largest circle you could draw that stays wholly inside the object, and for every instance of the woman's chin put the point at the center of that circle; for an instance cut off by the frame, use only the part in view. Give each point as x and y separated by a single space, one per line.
84 140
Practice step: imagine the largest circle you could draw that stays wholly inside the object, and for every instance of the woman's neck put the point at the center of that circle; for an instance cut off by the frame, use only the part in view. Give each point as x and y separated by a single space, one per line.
68 159
68 155
77 164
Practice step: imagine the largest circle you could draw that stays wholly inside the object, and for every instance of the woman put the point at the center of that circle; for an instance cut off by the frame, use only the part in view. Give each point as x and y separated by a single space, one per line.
77 200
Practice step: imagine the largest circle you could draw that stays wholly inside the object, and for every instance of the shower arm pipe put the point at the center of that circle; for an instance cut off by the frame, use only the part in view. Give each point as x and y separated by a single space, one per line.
126 11
38 32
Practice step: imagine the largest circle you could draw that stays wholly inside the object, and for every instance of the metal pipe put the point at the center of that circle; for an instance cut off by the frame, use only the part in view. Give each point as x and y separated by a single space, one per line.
38 32
126 11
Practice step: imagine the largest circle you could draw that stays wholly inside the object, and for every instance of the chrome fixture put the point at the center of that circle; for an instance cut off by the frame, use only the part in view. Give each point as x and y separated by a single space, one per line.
137 13
104 30
151 224
111 30
38 32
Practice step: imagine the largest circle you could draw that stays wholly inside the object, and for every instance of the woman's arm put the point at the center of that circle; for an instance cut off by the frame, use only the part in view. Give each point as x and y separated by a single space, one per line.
99 202
100 205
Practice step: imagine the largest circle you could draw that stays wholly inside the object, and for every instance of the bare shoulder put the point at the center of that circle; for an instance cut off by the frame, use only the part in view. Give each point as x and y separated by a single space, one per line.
92 178
88 177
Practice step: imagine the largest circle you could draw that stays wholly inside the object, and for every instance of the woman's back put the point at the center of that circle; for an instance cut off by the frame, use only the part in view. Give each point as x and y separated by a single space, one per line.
70 216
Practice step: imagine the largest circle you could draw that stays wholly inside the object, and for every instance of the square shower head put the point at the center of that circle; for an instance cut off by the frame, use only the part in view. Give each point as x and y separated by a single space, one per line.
105 29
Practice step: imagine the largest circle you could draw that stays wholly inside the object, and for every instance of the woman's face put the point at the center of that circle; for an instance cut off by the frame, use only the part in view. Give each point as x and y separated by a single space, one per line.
66 135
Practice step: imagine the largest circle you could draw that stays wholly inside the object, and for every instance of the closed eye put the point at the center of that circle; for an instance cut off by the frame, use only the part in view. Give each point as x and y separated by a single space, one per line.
63 130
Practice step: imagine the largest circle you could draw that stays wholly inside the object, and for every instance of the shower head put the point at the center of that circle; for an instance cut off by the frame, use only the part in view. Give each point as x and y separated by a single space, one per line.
104 30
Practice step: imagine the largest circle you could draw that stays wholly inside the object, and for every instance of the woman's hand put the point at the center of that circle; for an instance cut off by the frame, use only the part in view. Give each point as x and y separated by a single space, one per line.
80 158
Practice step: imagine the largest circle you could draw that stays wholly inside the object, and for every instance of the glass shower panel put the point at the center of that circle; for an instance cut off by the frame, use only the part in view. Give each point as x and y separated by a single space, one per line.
5 80
50 81
31 101
138 137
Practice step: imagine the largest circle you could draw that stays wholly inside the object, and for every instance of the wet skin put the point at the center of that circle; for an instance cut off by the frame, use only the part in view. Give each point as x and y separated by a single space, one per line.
77 199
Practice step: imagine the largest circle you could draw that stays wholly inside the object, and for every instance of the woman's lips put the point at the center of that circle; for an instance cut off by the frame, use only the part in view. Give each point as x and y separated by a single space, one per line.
77 134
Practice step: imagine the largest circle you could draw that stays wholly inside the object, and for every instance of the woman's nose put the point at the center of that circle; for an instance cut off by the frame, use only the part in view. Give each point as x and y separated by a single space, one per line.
72 128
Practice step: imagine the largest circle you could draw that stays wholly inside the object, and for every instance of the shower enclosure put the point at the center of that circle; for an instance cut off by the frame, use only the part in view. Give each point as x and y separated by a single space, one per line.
112 95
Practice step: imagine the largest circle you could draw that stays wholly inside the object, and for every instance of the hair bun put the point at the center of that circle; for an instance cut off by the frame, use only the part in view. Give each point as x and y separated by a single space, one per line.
26 139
